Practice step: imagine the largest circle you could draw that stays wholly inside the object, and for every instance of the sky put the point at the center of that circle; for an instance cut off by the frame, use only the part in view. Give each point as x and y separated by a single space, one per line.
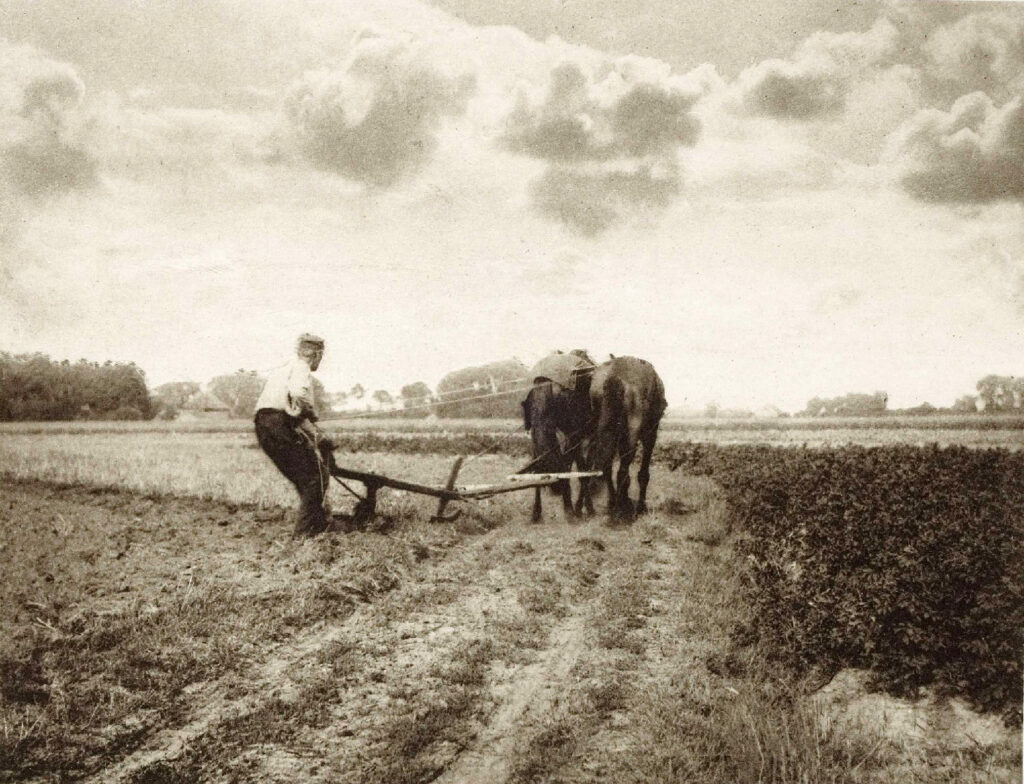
769 201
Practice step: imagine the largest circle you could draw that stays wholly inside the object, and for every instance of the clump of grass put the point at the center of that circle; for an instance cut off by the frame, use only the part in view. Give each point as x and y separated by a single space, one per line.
418 736
591 543
468 665
605 694
125 671
625 604
709 526
676 506
547 751
100 670
598 691
756 730
278 721
542 594
526 631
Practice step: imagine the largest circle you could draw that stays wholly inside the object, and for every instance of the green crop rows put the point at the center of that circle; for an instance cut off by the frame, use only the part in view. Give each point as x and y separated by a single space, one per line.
904 560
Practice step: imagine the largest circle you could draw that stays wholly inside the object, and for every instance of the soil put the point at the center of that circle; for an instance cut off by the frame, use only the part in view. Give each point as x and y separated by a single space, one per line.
537 606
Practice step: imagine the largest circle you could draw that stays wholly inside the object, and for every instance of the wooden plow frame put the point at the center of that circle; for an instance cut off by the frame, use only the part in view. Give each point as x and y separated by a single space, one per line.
367 506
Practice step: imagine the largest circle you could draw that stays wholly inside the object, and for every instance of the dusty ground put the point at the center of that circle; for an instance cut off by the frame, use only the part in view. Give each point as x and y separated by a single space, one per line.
153 639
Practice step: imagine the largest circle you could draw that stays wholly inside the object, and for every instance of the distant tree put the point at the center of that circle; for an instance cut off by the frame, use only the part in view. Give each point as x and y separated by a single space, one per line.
415 395
169 398
339 400
240 390
416 400
922 410
382 398
493 390
321 400
1001 393
358 392
853 404
711 410
966 404
815 407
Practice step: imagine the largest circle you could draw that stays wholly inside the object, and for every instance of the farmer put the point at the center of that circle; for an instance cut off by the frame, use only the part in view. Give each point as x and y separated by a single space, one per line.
286 430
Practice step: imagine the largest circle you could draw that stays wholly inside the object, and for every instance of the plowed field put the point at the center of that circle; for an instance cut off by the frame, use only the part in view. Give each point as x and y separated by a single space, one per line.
163 638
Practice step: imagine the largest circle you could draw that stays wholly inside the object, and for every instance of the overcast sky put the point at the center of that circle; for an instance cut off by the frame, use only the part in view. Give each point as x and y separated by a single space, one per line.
769 201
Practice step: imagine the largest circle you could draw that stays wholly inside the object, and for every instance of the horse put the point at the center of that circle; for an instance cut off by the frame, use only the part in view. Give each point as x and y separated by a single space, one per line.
559 405
627 397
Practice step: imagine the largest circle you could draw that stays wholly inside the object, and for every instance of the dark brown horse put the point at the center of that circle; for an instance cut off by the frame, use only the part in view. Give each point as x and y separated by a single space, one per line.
628 399
557 414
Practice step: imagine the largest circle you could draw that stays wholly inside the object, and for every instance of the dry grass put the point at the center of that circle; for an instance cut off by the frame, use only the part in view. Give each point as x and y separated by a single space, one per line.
151 598
222 466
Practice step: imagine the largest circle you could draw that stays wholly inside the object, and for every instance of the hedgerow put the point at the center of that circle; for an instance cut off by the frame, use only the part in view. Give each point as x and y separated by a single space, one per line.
908 561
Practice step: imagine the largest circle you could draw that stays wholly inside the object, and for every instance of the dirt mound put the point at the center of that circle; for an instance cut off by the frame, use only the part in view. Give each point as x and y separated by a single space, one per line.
847 702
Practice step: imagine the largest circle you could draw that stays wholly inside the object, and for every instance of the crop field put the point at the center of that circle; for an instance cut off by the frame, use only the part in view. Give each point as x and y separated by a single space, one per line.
159 624
975 430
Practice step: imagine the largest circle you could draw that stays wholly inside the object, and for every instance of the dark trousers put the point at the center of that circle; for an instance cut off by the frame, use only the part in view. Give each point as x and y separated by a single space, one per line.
296 458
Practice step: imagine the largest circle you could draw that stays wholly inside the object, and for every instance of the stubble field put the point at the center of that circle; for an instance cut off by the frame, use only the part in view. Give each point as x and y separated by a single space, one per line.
160 625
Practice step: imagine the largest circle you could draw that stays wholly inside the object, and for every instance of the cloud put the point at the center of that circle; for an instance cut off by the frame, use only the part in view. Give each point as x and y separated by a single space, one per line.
610 142
44 153
376 119
816 81
42 133
972 154
155 145
981 52
591 201
626 115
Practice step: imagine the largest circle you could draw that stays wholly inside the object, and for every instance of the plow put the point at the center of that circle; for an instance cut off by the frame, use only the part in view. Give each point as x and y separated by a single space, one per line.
449 492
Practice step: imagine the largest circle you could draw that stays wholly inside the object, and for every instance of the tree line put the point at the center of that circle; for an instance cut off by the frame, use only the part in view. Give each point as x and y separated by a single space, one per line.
34 387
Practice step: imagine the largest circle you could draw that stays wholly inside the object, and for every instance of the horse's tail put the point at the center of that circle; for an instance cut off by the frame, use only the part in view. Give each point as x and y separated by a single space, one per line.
660 403
610 402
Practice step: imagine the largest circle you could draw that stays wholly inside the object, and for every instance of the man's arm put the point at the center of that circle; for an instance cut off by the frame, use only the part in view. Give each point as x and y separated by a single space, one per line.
300 392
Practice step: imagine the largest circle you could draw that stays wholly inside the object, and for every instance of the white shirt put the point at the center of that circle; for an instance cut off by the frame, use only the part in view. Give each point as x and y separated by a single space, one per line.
289 388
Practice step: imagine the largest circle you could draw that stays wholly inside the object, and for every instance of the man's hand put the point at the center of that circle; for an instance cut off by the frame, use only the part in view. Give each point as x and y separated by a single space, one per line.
311 431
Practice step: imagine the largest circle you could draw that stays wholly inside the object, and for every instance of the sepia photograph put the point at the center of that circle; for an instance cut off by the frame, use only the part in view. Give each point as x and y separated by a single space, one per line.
511 391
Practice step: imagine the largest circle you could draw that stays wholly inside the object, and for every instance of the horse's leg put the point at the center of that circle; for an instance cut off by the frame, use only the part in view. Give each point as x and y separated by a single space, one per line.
607 473
627 448
536 505
566 490
644 475
587 493
583 501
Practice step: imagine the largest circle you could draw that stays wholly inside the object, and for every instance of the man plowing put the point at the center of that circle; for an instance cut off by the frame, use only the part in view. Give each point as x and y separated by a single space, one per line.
286 430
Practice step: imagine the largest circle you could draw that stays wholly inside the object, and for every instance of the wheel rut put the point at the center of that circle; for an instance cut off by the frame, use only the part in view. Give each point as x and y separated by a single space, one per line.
529 693
272 680
526 697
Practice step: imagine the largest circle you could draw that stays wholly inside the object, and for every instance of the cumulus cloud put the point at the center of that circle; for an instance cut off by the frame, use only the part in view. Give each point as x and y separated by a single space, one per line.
981 52
43 153
973 153
610 139
376 119
42 132
625 115
816 81
592 200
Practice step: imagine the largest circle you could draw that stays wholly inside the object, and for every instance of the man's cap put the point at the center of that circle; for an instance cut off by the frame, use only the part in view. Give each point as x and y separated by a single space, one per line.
308 340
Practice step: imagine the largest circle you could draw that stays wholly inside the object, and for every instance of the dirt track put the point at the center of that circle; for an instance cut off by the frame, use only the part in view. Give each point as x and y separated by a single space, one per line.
176 640
452 666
